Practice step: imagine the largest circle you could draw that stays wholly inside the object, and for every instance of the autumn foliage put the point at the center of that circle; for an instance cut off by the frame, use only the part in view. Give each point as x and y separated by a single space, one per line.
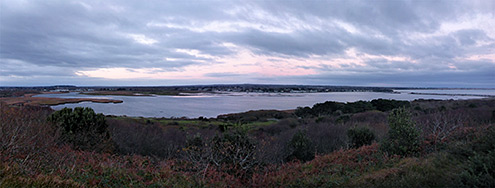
35 153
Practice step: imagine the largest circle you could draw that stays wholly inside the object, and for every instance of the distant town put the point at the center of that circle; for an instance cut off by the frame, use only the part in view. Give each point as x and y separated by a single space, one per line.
257 88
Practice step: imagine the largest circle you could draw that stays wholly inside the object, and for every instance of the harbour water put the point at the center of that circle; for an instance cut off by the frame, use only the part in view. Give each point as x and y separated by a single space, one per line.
212 105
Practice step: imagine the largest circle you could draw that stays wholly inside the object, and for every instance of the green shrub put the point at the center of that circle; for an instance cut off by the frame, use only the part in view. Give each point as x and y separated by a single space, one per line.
82 128
360 136
403 137
300 147
479 170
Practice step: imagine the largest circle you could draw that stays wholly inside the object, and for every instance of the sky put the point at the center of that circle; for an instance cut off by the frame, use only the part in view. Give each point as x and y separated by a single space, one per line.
359 43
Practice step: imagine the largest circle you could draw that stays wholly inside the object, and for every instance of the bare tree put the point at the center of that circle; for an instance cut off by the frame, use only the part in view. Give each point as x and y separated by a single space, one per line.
437 127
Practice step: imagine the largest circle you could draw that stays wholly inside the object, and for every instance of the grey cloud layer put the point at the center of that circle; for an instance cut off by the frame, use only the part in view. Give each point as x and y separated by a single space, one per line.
46 37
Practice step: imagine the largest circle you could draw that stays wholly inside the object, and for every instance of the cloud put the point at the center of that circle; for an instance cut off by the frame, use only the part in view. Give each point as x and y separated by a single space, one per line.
142 39
223 74
306 42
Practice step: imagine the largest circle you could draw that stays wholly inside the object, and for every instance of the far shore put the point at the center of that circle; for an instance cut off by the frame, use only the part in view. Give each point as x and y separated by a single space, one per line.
187 93
447 94
142 93
28 99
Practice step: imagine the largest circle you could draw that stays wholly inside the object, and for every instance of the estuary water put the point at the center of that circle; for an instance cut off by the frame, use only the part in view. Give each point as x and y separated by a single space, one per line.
212 105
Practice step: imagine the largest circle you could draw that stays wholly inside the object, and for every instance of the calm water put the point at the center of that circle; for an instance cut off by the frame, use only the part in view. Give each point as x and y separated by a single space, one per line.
211 105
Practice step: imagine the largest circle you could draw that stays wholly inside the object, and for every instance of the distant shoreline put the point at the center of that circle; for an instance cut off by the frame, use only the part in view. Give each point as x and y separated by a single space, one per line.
28 99
448 94
453 94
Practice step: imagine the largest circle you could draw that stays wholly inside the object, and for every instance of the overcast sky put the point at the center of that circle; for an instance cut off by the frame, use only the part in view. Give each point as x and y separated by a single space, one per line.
363 43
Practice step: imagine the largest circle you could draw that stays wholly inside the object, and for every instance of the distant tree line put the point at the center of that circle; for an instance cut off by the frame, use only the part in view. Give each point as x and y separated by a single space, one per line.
332 107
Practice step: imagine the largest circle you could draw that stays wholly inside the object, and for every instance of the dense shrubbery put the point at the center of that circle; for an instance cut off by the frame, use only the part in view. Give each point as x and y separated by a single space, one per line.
359 106
252 116
479 169
387 105
360 136
327 138
303 112
332 108
326 108
148 140
82 128
154 152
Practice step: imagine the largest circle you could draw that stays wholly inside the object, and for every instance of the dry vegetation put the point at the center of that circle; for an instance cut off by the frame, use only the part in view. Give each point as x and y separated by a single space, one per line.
456 148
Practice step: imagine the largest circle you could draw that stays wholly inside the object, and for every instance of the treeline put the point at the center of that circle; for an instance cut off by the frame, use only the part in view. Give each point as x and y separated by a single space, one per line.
332 108
210 88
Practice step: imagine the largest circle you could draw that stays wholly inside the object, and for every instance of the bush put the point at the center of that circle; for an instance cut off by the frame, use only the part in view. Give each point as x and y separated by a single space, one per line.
196 151
403 137
300 147
234 149
360 136
479 170
149 140
82 128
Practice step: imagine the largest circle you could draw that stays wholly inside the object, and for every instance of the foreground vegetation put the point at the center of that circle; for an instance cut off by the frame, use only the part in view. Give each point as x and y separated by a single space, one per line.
381 143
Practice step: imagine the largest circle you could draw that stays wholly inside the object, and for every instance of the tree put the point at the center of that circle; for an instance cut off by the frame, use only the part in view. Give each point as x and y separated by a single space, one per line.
82 128
303 112
326 108
360 136
235 149
403 137
300 147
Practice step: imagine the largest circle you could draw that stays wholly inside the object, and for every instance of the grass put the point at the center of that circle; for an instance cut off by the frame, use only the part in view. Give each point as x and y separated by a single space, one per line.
258 124
195 123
